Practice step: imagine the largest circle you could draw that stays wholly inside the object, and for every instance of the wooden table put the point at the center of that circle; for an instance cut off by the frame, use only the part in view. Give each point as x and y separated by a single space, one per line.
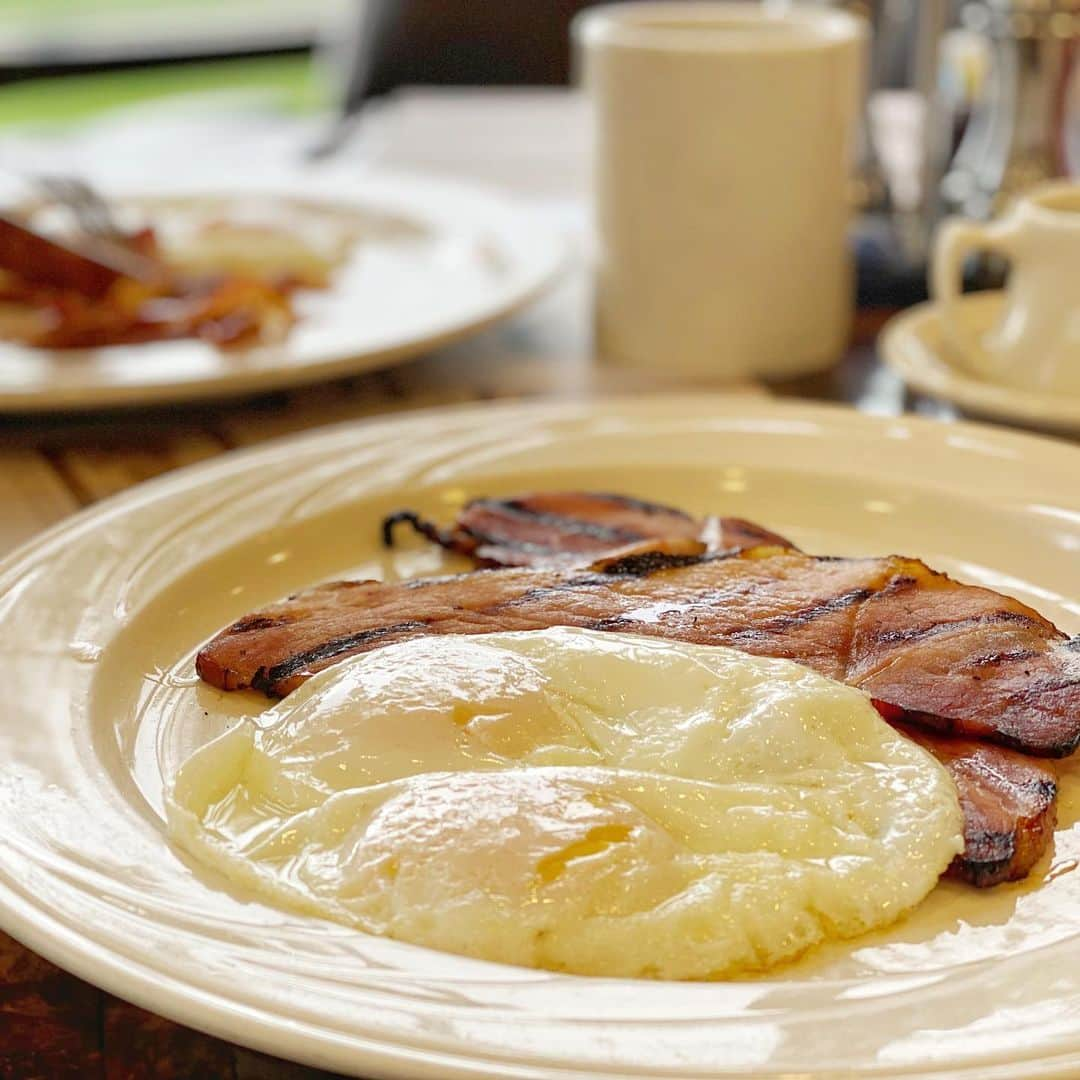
53 1025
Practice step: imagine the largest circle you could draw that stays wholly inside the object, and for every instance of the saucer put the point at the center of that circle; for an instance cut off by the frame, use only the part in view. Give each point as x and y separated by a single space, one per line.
912 344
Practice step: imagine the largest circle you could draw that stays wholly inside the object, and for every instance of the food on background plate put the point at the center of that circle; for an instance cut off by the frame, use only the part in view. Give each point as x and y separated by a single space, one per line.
597 803
229 283
280 252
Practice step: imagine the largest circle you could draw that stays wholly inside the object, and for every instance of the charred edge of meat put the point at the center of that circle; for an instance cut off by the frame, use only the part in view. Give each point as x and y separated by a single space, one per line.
987 870
265 679
521 508
644 563
991 858
409 517
250 623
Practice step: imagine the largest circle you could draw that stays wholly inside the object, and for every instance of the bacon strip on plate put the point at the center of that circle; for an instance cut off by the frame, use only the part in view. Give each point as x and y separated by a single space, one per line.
562 528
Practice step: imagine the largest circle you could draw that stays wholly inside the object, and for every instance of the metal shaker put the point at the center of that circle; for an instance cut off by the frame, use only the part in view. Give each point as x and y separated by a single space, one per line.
1022 125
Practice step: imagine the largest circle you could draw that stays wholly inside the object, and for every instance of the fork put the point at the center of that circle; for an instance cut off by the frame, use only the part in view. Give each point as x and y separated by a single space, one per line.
101 237
89 208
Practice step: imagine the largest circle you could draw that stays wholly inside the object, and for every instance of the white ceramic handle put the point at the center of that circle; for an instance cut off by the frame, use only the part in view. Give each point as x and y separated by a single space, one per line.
956 240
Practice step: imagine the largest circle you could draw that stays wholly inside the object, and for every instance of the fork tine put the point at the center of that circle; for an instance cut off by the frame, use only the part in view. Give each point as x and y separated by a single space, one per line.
98 207
86 204
59 189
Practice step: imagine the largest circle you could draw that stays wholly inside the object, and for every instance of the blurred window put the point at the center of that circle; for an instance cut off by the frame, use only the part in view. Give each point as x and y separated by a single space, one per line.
40 35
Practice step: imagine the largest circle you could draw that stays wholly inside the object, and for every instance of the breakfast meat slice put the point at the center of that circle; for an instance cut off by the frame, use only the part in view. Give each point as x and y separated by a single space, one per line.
1009 802
124 293
956 658
564 528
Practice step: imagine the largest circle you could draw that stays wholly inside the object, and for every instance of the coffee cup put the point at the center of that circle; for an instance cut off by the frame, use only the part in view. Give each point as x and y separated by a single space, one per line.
724 143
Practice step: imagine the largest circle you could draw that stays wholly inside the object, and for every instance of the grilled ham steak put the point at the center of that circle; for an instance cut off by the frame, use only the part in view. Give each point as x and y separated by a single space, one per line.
573 527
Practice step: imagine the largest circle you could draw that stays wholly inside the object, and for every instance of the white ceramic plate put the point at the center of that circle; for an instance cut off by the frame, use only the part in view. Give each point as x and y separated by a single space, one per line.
100 618
433 261
912 343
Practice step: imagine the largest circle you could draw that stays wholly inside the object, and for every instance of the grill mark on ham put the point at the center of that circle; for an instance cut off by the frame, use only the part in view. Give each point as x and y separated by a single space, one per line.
1065 685
817 610
911 634
266 679
990 659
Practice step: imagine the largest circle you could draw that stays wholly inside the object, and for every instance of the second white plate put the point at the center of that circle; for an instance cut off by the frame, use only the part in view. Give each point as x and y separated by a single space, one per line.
433 262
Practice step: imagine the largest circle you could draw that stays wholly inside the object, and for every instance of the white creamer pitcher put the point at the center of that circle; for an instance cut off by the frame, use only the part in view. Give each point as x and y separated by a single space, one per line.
1036 343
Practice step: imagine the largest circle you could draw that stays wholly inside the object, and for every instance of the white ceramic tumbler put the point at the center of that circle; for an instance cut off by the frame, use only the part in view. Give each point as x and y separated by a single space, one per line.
724 141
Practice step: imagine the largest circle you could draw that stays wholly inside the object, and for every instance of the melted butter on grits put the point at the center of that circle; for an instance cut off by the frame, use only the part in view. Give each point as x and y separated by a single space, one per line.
585 802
